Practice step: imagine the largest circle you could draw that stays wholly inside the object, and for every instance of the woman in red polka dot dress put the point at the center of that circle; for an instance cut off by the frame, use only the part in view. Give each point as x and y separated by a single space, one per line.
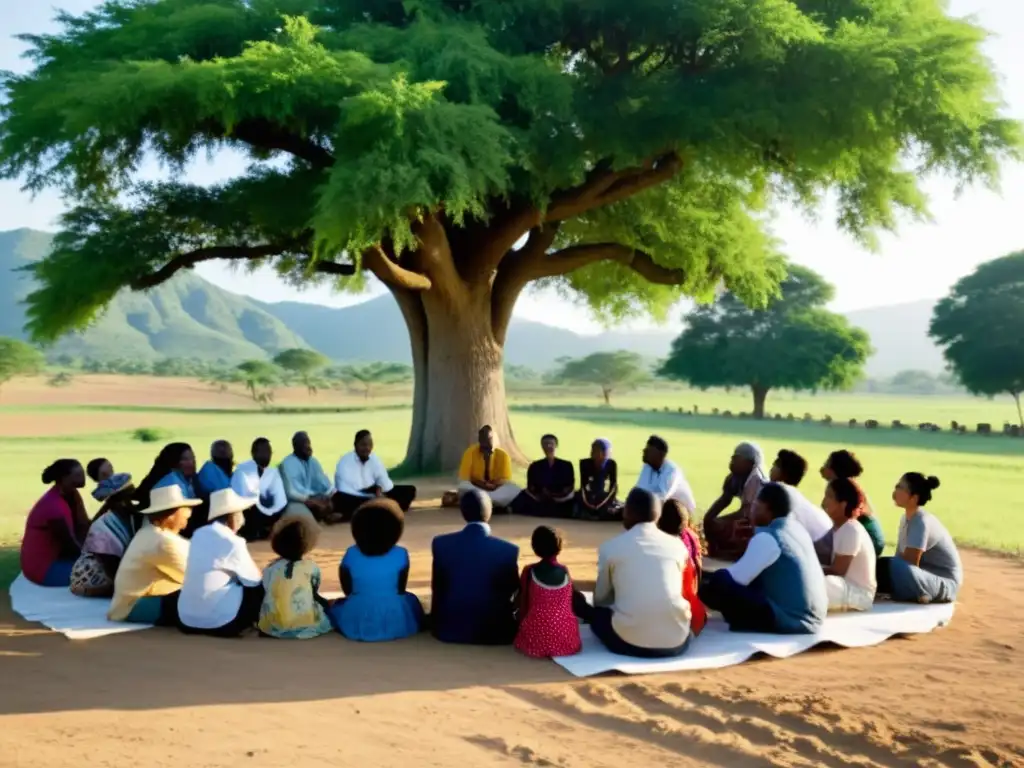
547 625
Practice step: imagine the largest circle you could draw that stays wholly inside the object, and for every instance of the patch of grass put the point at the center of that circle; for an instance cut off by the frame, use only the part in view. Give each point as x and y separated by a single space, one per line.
149 435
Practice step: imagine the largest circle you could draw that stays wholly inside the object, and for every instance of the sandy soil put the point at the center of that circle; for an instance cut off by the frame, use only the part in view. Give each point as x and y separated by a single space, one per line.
156 698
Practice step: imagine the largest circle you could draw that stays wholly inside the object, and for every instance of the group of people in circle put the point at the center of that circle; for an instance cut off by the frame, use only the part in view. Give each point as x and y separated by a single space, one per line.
173 550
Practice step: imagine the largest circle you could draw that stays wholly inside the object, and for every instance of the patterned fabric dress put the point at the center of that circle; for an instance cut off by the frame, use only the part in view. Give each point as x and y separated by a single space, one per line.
290 608
110 535
549 627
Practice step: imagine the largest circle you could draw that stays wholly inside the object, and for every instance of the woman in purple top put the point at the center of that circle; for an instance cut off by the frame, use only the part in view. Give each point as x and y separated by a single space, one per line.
56 527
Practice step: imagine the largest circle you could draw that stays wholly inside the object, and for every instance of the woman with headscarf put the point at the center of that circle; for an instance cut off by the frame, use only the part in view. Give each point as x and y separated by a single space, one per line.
727 535
111 532
599 484
55 527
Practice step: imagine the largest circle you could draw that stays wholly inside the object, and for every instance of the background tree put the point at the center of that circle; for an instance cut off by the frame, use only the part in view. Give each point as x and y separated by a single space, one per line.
18 359
611 371
304 363
460 151
980 327
259 376
792 344
369 376
60 379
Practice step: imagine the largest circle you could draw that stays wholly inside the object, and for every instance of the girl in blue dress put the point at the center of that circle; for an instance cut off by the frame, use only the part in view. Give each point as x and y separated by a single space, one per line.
373 575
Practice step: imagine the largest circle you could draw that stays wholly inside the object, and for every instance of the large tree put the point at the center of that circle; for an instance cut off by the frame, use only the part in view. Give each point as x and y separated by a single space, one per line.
611 371
304 363
980 326
622 153
793 343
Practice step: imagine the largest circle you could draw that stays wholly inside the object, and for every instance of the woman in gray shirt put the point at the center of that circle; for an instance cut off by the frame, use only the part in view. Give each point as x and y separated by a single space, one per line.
926 568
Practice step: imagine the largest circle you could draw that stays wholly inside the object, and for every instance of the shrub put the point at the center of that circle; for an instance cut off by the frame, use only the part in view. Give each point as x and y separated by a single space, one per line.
149 435
871 424
984 429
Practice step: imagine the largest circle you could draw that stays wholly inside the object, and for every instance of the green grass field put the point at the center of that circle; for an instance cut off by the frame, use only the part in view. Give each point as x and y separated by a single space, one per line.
980 476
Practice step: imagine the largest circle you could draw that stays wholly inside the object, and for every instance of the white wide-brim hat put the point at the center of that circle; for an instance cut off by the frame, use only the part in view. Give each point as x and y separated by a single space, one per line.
168 498
227 502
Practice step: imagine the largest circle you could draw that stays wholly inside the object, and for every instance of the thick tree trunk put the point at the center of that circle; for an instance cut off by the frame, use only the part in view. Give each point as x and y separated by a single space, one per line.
459 380
760 395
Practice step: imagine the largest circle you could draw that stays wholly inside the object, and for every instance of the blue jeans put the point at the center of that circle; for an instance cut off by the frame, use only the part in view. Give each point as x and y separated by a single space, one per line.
59 574
908 583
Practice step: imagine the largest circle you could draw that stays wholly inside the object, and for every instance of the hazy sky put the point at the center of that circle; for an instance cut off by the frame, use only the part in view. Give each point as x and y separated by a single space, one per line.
922 261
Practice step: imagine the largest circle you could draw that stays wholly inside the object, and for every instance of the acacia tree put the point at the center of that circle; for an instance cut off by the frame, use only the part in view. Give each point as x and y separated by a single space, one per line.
304 363
259 376
610 371
18 359
373 375
460 151
979 326
794 343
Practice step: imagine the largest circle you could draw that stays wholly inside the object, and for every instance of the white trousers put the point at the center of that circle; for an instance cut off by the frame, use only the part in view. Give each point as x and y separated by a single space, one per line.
501 496
844 596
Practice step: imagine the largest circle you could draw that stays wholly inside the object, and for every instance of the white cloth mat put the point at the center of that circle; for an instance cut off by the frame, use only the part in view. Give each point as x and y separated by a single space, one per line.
77 618
717 647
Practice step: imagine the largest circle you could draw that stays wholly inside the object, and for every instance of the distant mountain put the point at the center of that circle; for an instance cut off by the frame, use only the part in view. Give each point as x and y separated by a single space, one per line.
185 317
189 317
899 334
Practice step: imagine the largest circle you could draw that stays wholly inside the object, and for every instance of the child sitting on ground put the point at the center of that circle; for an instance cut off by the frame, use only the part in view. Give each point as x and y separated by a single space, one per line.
292 607
547 625
98 471
374 575
675 520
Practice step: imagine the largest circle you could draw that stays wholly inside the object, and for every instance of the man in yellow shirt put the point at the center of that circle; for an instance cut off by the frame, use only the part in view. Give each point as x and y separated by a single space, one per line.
489 469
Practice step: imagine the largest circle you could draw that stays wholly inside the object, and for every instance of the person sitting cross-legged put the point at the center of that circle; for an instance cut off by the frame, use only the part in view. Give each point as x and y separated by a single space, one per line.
256 479
550 485
777 585
788 470
487 468
727 534
361 475
639 608
305 482
474 580
850 576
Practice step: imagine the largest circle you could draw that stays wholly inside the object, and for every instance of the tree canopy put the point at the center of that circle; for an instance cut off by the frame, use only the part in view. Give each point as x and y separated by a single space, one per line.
304 363
368 376
18 359
458 151
611 371
259 376
980 327
794 343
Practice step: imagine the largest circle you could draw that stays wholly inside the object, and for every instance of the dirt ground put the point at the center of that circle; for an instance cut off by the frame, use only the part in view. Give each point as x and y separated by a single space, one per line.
156 698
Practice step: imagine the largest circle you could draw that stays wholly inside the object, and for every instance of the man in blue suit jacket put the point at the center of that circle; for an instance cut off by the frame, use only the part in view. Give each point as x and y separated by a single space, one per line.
475 579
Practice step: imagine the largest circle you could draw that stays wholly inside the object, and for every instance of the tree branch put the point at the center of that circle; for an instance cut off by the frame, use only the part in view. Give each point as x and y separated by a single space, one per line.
390 273
578 256
263 134
513 275
604 187
234 253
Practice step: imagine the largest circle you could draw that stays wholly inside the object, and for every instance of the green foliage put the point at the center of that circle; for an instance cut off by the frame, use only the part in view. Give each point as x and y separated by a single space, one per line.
979 326
259 376
58 380
150 435
611 371
794 343
304 363
369 376
18 359
364 119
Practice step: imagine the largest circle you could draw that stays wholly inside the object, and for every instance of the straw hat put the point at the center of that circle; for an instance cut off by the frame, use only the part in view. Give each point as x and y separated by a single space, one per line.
227 502
168 498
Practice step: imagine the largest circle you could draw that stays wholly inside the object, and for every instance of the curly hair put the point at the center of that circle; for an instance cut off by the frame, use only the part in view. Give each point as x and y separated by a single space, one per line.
294 536
546 541
377 526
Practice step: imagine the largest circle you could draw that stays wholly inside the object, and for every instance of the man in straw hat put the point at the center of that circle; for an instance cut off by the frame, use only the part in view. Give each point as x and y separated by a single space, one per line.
223 588
153 567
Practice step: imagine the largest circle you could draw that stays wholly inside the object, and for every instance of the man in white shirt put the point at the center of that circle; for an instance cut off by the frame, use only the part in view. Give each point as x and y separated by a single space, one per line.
662 477
223 589
639 609
361 475
257 479
789 470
